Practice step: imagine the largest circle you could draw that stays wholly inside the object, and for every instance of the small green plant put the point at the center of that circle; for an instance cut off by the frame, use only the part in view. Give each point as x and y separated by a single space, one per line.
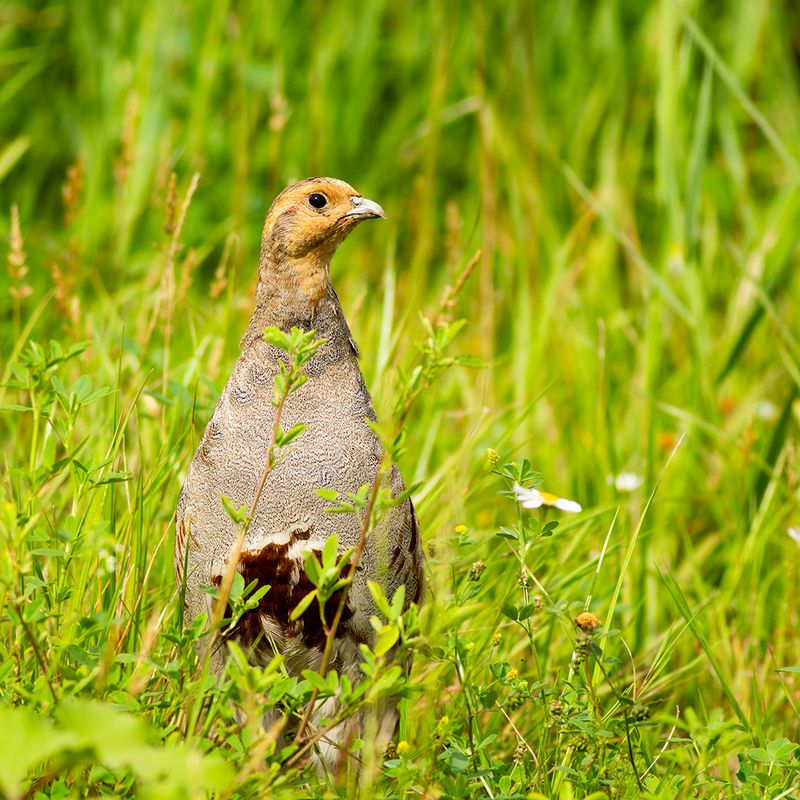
299 347
770 771
326 575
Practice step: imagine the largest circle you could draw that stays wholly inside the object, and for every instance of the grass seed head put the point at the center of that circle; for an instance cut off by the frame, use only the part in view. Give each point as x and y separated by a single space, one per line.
71 191
17 265
476 570
171 205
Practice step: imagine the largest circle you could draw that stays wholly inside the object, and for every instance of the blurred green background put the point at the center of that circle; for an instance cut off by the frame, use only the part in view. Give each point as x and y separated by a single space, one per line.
627 175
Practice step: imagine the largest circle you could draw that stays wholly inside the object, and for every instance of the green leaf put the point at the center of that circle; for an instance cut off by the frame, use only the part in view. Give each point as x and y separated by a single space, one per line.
103 391
449 333
277 338
342 508
387 637
304 603
330 495
407 493
340 584
317 681
34 739
112 477
313 568
525 612
379 598
113 734
289 436
457 761
254 599
237 586
758 754
385 683
14 407
82 388
238 515
330 550
398 600
12 153
509 610
298 381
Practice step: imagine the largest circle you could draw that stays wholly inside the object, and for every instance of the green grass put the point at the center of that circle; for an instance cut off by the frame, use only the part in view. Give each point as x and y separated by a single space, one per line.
630 176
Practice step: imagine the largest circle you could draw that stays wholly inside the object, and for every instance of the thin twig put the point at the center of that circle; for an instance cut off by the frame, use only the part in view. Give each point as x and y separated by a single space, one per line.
597 712
320 734
630 750
254 763
48 776
519 735
666 743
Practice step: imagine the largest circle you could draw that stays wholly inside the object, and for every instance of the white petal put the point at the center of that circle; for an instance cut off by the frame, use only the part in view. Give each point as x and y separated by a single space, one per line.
627 482
534 502
568 505
526 496
794 533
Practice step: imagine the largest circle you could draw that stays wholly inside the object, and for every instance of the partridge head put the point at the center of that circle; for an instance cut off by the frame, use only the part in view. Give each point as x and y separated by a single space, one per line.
303 228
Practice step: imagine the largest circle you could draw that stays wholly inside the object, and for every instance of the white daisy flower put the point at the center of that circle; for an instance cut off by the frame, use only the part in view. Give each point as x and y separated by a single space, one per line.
627 482
766 410
533 498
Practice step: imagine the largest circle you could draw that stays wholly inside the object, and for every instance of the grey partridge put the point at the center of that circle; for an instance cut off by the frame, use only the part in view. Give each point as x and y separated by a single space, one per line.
338 450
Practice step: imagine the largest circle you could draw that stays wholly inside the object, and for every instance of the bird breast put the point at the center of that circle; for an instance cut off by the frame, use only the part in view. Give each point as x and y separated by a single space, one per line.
338 450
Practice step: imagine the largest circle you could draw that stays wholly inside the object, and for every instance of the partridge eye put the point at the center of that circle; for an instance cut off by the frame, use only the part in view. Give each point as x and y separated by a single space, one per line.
317 200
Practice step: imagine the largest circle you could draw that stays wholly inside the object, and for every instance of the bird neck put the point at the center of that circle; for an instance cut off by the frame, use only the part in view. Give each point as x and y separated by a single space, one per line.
289 292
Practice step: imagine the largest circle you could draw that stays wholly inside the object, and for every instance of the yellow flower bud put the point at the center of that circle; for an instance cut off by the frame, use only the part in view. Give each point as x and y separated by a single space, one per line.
588 622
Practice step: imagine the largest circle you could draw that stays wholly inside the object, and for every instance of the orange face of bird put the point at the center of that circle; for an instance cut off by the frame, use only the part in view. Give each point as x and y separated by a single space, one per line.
310 219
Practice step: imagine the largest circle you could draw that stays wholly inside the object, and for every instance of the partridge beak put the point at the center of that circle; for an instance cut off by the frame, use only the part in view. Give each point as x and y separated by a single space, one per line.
364 209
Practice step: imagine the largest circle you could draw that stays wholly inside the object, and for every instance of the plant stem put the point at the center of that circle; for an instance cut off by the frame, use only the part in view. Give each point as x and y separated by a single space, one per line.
233 562
34 644
331 633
